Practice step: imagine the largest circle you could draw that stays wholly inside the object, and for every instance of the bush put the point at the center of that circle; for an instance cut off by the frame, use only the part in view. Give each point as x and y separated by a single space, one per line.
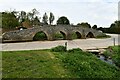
114 54
59 49
107 54
74 50
40 36
103 36
58 36
74 36
116 60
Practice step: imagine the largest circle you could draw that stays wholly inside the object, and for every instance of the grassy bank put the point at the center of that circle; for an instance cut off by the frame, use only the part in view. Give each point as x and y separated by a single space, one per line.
51 64
114 53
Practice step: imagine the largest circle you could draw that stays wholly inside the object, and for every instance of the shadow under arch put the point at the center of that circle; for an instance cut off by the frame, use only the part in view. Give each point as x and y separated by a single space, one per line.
78 35
60 35
90 35
63 34
40 36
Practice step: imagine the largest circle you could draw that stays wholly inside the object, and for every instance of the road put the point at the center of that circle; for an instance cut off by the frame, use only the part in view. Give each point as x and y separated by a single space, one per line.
84 44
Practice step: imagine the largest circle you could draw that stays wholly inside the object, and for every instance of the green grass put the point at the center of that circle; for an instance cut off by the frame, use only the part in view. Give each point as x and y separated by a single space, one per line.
35 64
47 64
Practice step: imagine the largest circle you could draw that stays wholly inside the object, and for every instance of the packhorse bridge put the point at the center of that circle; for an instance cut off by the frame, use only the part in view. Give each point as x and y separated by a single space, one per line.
50 31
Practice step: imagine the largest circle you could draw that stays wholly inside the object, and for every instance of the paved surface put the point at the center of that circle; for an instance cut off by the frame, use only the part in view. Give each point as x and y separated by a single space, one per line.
84 44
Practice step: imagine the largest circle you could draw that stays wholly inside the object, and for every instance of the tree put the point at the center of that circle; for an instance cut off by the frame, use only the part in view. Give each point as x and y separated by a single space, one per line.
35 12
36 21
16 13
51 18
30 16
115 27
94 27
22 16
84 24
100 28
117 23
45 19
112 25
63 20
9 20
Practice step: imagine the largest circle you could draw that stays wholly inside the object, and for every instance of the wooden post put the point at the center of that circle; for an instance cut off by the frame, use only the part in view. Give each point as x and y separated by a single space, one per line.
114 41
66 45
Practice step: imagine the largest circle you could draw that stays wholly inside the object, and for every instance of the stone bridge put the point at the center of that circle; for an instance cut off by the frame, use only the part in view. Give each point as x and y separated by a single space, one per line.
50 31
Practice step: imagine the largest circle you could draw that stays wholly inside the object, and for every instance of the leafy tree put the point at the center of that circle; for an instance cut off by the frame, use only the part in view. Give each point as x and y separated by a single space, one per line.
30 16
78 24
9 20
45 19
84 24
114 28
22 16
112 25
51 18
63 20
117 23
94 27
16 13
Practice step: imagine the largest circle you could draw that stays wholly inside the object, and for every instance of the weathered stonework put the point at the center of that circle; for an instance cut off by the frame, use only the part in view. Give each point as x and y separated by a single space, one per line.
28 34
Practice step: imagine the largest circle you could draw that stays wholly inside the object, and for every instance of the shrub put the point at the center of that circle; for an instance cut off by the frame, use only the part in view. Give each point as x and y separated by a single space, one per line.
40 36
103 36
74 50
59 49
116 60
114 54
74 36
107 54
58 36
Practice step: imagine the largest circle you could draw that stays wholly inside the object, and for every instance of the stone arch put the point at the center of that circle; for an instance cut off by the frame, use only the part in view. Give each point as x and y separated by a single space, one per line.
78 34
41 35
64 35
90 35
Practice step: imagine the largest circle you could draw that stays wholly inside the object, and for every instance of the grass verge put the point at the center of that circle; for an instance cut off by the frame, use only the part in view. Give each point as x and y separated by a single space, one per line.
49 64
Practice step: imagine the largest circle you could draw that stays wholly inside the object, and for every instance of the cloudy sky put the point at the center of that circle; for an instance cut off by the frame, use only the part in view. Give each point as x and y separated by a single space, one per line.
100 12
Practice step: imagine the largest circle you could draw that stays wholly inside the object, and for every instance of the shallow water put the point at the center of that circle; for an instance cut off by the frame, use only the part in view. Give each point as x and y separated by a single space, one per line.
101 57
